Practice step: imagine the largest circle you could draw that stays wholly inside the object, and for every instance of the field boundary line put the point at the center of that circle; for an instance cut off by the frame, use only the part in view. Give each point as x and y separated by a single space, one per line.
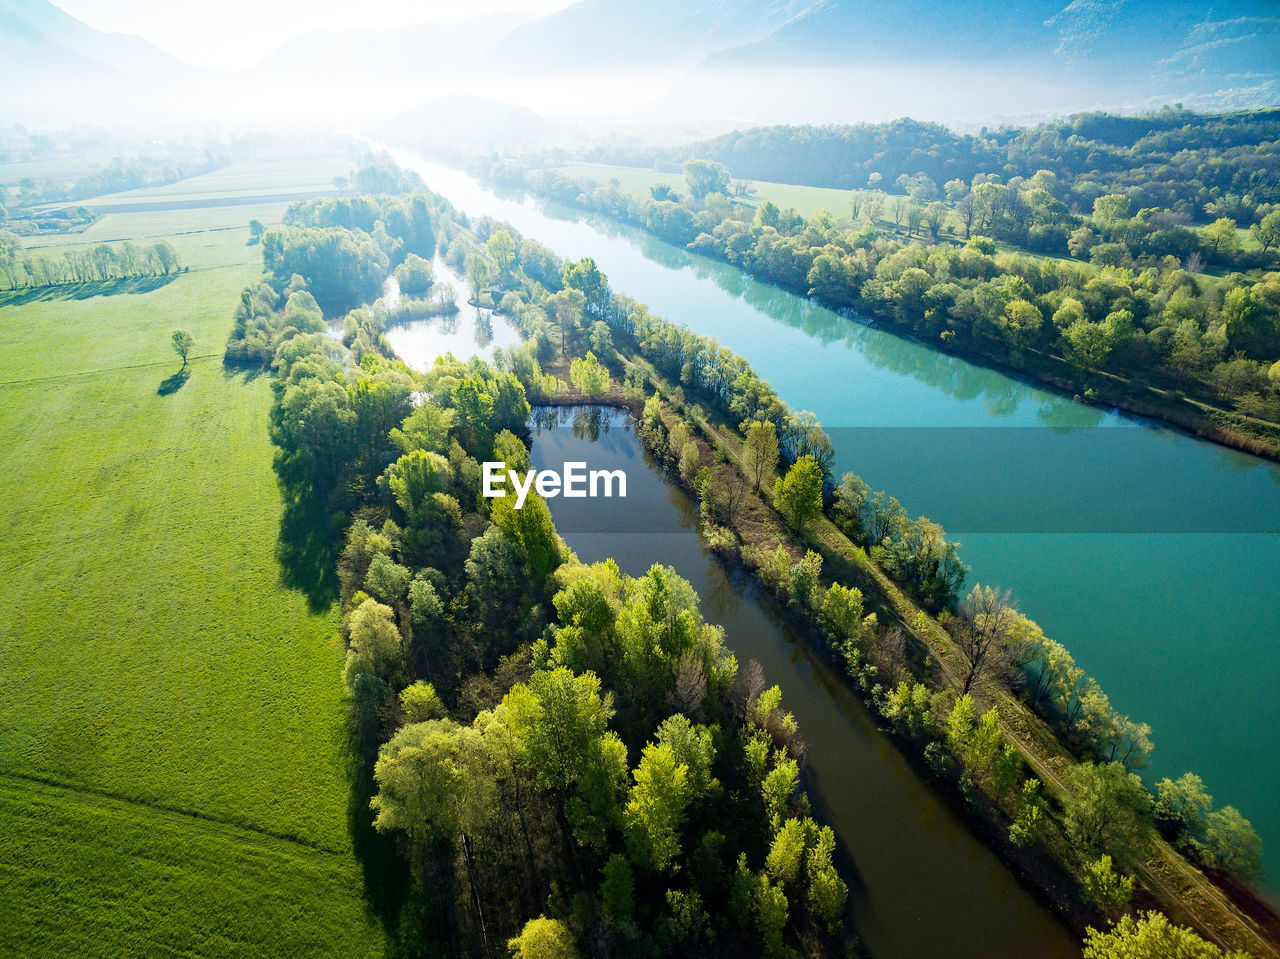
192 814
110 369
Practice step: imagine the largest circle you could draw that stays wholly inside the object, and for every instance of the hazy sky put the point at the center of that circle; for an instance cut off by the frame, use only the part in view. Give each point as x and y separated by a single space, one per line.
233 33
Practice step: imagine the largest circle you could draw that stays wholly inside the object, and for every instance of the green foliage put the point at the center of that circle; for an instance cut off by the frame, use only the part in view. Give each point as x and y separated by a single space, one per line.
786 853
375 645
588 376
827 891
770 909
1025 828
561 723
1151 936
419 782
544 938
387 580
1106 810
798 495
779 785
694 748
759 451
1104 888
704 177
419 703
656 806
183 341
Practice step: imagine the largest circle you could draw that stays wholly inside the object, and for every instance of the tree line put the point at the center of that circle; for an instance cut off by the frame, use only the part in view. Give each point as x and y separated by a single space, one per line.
100 263
1153 321
1175 160
562 754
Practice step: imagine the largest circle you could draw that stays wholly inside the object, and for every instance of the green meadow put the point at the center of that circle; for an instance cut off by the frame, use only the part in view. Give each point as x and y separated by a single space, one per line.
636 181
173 745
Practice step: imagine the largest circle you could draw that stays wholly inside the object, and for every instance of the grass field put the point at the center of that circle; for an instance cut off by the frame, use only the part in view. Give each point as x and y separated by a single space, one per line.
173 758
636 181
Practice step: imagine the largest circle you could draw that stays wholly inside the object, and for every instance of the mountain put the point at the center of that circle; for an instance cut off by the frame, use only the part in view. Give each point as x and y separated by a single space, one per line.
66 68
464 120
595 34
35 34
1147 44
415 51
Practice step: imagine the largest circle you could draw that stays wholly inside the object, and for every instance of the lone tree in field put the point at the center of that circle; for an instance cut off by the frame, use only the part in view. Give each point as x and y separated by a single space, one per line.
182 343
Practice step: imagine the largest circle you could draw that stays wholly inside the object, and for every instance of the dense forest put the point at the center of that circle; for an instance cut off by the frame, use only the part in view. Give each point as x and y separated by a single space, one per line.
1122 311
1175 160
569 758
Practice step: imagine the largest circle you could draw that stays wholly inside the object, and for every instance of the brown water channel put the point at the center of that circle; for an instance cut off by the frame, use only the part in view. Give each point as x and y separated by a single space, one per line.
921 885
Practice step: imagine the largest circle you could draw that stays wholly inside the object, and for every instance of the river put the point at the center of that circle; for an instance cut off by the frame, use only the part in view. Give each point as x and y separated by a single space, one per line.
1154 557
920 883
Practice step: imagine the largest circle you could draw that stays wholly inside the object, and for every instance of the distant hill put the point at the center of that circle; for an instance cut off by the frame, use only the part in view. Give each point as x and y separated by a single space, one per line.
52 63
1037 56
36 35
1148 44
393 53
471 121
628 35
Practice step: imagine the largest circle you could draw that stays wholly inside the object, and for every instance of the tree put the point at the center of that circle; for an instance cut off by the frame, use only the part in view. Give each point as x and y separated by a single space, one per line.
478 274
656 807
1020 324
663 192
1183 803
375 643
827 891
934 217
256 229
182 344
1103 887
502 248
1266 232
704 177
986 617
544 938
759 451
419 782
1151 936
798 495
419 703
1106 809
1087 345
1111 208
1231 844
587 278
588 376
561 723
1222 238
786 853
568 305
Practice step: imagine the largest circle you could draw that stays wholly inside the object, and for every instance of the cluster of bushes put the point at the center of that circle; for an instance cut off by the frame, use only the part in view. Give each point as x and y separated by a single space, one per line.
96 264
564 754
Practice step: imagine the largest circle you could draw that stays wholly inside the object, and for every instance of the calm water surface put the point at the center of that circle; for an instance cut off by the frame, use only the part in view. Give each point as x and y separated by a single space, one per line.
1170 600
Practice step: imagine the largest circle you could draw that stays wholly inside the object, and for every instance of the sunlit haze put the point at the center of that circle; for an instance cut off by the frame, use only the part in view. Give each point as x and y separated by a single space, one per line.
236 33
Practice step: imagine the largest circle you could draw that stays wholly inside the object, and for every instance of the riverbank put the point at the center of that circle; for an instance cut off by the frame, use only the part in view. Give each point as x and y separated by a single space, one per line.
1169 880
1197 415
